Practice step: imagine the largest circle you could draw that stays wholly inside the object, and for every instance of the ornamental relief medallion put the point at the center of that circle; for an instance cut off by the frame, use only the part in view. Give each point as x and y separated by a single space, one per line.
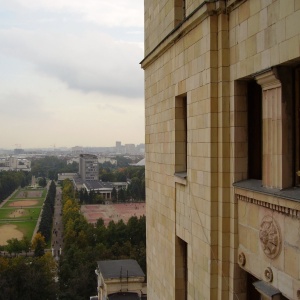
269 235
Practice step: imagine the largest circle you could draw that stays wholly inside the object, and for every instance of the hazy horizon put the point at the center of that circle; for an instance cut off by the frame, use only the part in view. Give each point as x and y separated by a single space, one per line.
70 73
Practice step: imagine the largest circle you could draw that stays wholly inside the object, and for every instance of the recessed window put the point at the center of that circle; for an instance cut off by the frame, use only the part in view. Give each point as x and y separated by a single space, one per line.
181 269
179 11
268 128
181 134
254 130
297 126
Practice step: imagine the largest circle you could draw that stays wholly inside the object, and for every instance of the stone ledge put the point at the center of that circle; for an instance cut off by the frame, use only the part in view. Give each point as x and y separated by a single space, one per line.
180 177
255 186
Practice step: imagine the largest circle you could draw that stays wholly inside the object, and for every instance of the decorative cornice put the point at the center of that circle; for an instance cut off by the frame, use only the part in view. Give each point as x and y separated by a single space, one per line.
268 80
291 212
205 9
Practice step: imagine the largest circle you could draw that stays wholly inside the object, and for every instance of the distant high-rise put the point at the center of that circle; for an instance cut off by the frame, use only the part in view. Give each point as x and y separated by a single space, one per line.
118 147
88 167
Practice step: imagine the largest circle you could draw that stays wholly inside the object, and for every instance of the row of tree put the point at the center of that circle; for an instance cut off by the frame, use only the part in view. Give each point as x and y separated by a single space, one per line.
47 213
85 244
15 246
120 174
11 180
50 166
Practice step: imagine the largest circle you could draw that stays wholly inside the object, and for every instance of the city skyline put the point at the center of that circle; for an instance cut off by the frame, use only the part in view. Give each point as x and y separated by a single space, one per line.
57 147
70 73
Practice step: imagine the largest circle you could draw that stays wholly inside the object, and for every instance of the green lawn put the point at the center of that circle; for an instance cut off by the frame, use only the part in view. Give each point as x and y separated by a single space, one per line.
25 222
28 214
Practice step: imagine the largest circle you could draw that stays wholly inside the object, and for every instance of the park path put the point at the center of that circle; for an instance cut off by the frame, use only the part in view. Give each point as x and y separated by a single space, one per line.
57 229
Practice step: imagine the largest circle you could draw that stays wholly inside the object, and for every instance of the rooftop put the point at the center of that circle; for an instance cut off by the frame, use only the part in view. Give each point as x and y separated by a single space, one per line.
120 268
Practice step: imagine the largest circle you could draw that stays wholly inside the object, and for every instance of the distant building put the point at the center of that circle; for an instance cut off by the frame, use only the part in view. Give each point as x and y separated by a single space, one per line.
141 163
77 150
88 167
118 147
104 159
73 159
120 280
99 187
62 176
19 151
130 149
13 163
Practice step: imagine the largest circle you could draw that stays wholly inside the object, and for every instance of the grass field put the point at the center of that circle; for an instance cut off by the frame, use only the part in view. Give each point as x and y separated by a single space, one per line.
11 214
19 215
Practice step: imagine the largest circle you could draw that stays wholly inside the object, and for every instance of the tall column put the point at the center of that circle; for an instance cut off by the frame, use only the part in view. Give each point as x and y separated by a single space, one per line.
277 127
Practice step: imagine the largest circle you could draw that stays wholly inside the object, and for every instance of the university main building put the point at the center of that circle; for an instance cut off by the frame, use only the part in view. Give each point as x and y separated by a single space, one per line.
222 89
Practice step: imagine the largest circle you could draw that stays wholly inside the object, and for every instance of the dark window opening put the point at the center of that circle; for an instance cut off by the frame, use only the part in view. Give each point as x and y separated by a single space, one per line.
181 269
179 11
254 97
297 127
252 293
180 134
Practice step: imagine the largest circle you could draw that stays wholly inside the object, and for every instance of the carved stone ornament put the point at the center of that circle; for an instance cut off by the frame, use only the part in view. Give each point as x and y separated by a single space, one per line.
269 274
242 259
269 235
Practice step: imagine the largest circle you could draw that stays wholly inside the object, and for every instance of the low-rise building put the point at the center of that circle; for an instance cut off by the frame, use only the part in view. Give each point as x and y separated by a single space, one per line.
62 176
99 187
120 280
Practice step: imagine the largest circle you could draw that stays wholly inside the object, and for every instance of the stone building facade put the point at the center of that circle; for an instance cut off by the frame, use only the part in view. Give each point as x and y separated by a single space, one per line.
222 89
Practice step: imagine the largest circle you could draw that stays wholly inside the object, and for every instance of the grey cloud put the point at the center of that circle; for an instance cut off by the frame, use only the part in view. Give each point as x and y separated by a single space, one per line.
23 107
90 63
109 107
117 13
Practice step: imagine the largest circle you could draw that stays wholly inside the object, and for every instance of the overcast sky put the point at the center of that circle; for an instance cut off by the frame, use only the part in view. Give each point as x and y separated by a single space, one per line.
70 73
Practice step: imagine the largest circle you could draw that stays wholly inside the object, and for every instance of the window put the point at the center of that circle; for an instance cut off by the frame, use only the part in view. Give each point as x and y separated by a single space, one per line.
254 106
181 269
181 134
268 128
179 11
297 126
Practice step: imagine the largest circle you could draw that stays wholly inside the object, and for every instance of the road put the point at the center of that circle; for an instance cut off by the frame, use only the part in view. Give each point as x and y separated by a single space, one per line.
57 229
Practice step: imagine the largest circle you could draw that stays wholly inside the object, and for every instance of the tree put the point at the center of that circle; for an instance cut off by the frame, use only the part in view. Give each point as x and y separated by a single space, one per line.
42 182
14 246
114 195
38 244
26 244
121 195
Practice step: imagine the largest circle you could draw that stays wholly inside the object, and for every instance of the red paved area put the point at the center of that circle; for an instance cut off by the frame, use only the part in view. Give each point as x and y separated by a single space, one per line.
113 212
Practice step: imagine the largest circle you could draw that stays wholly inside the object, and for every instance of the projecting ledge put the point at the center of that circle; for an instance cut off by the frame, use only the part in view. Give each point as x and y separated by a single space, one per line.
254 185
267 290
180 177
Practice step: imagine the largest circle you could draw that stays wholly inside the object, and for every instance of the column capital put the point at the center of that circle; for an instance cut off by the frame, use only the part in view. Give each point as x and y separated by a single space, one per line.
268 80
